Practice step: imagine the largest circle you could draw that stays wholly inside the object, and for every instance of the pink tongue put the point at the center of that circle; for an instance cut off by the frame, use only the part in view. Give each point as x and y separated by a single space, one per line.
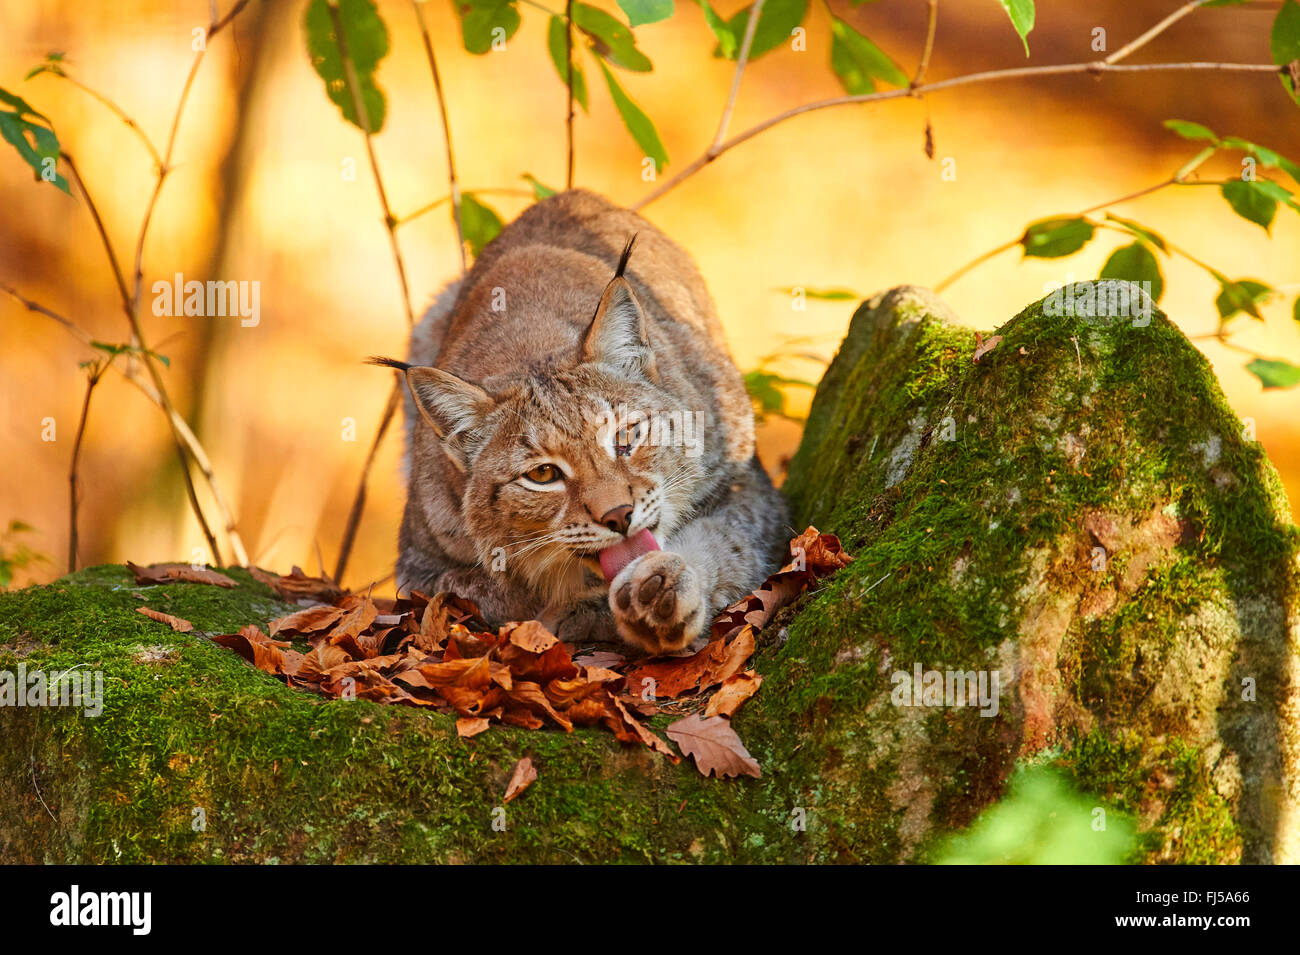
615 558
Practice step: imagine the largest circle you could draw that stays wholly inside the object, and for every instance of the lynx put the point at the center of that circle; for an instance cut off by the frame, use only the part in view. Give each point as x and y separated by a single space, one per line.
580 444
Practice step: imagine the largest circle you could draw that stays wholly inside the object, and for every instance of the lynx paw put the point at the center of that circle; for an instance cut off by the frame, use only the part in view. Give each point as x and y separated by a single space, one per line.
658 603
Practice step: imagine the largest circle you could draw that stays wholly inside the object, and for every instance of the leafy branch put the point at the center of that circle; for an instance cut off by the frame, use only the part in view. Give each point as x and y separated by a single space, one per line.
38 145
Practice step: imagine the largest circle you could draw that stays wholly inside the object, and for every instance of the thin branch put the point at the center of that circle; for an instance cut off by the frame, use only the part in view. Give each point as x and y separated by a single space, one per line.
132 374
390 224
118 275
446 132
134 316
742 58
503 191
363 120
359 500
1137 44
96 373
113 108
1094 67
931 25
568 82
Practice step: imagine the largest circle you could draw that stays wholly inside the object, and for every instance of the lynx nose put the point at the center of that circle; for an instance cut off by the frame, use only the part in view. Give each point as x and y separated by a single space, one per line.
618 518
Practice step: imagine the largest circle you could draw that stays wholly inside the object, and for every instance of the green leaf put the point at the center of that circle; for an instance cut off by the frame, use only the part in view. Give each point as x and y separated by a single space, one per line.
1189 130
828 294
1284 42
1295 309
53 64
557 44
1136 263
640 12
728 42
1269 157
367 40
636 121
610 38
775 24
1275 373
34 140
1276 192
1021 13
1243 295
479 223
764 387
1250 202
1057 237
484 21
540 190
1141 231
858 62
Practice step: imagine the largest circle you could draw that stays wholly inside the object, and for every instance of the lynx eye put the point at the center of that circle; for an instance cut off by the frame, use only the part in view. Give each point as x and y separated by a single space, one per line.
544 474
628 437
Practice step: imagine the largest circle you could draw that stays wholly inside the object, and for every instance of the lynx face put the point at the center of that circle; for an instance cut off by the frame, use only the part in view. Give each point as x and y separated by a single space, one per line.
579 471
570 473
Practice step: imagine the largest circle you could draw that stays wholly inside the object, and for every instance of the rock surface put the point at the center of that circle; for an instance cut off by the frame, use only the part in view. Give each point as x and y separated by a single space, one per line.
1078 520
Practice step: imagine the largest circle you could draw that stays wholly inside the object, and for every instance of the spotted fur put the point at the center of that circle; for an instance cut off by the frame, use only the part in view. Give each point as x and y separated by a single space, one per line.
568 345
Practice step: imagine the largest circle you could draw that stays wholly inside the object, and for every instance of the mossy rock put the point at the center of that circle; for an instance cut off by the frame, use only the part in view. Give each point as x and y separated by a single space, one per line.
1082 512
974 496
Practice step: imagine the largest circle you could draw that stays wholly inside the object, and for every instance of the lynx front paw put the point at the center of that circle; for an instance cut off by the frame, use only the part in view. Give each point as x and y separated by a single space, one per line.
658 603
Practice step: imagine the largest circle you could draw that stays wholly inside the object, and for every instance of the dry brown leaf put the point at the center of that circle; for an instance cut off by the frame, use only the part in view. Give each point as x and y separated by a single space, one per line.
298 586
985 345
168 573
734 691
714 746
716 662
629 729
320 617
531 636
176 623
521 779
470 726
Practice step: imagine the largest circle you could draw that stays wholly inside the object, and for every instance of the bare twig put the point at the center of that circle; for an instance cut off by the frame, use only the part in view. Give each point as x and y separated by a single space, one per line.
363 120
504 191
113 108
1137 44
446 132
118 275
182 435
390 224
568 82
96 373
1095 67
359 501
131 372
742 58
1178 178
931 24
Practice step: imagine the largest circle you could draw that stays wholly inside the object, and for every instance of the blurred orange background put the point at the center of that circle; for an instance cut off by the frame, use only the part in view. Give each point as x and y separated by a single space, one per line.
842 197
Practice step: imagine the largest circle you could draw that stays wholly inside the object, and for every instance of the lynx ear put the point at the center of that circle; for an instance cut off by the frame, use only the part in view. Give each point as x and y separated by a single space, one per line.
450 405
617 335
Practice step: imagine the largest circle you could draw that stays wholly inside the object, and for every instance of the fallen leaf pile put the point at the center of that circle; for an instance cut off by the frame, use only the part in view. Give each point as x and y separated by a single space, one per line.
438 652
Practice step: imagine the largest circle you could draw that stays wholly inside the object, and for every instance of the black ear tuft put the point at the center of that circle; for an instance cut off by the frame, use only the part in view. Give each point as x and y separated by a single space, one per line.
627 254
387 362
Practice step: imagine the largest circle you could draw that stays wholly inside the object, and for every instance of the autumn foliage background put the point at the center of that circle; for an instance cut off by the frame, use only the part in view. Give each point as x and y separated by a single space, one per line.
843 197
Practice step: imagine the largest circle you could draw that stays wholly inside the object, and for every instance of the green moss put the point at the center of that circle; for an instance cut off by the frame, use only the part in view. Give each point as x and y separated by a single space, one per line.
964 549
961 488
